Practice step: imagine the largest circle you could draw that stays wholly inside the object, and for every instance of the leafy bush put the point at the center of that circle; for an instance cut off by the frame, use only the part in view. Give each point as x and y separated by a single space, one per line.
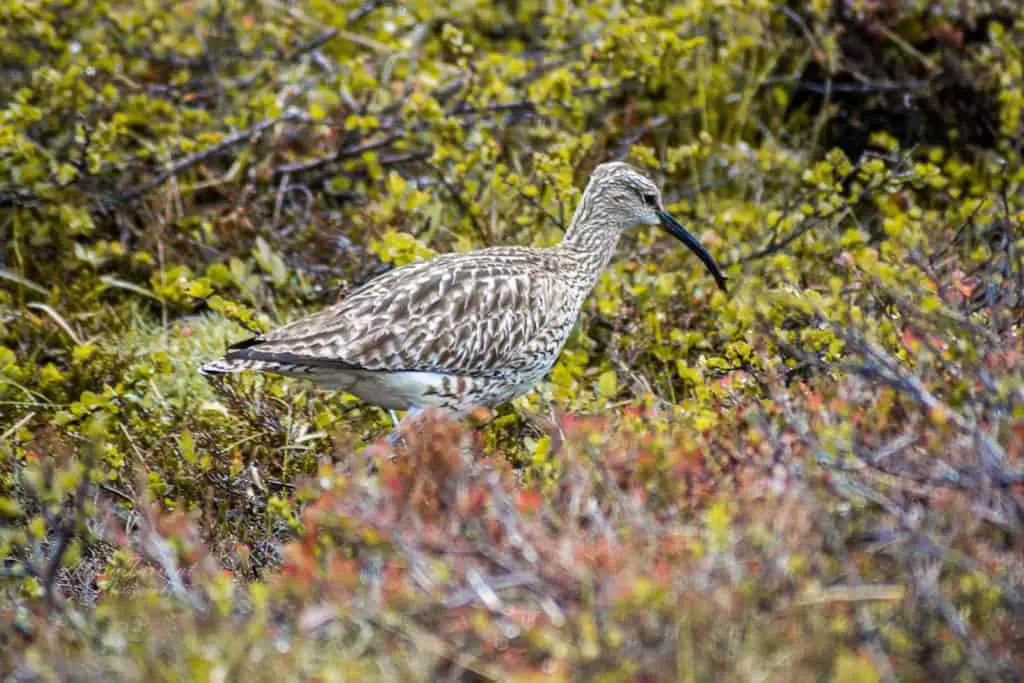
820 475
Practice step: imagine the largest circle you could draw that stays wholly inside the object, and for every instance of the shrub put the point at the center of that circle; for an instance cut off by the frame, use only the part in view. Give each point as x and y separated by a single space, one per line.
817 475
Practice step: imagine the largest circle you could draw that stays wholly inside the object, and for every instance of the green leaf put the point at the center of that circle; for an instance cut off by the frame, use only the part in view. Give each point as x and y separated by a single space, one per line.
608 384
188 447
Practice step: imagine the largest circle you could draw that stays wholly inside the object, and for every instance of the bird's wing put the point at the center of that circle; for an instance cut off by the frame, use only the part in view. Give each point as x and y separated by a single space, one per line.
464 314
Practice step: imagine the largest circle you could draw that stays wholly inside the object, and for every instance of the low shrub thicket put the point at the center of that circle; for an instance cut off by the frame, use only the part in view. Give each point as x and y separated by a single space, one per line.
819 475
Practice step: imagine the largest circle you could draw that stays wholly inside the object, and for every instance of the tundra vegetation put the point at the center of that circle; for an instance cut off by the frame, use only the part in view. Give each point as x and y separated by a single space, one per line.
819 476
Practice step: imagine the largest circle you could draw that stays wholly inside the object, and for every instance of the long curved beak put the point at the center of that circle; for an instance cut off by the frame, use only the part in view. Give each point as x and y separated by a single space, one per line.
673 228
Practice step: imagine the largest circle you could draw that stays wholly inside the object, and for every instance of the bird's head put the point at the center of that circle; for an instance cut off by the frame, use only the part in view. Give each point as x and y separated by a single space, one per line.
625 198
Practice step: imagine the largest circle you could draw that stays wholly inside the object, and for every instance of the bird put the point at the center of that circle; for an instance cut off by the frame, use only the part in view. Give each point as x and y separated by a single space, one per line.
465 330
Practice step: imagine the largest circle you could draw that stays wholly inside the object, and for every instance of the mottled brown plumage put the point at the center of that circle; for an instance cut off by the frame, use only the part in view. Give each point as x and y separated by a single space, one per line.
476 328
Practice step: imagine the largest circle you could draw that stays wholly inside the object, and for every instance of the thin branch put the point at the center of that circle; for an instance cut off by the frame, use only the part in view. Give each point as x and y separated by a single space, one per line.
342 153
193 159
65 534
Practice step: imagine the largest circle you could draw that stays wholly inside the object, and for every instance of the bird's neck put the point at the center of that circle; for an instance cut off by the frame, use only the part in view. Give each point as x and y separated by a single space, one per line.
591 239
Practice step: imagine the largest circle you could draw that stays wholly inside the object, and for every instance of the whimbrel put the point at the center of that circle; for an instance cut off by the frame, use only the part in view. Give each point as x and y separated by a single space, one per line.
464 329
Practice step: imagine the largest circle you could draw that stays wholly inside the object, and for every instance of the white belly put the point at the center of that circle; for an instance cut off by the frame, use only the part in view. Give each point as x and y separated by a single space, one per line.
403 390
389 390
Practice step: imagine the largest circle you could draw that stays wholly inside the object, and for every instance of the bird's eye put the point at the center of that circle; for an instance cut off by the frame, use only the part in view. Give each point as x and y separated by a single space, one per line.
650 199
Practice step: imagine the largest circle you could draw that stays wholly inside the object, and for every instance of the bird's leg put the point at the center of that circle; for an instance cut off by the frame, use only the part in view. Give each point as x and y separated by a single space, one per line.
396 434
555 424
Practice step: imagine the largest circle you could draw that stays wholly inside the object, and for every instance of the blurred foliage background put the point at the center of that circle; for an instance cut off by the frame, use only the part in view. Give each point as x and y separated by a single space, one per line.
816 477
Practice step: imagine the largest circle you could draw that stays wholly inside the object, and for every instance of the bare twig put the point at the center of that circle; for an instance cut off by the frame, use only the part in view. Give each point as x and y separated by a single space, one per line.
191 160
342 153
